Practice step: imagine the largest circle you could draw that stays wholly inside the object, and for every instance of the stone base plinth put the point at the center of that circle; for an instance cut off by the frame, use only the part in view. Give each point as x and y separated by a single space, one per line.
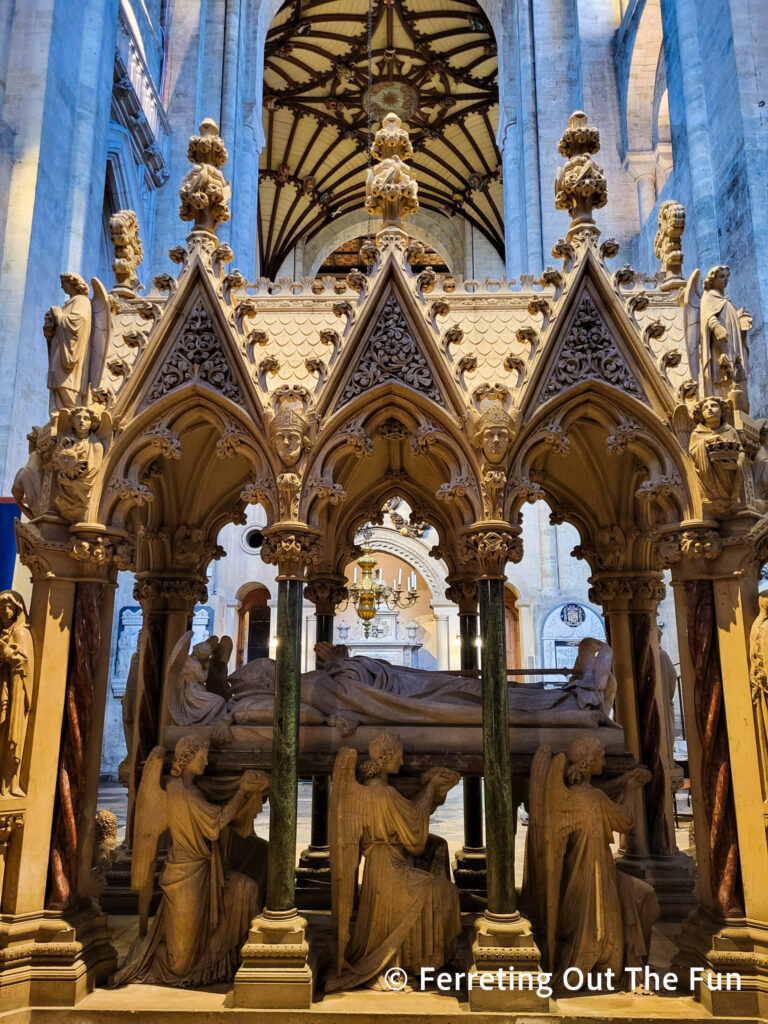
117 896
672 878
54 959
504 943
313 879
274 973
470 869
721 948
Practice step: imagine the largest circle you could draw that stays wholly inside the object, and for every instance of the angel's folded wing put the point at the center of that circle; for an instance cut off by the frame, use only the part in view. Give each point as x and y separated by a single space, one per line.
150 821
101 331
347 819
548 833
691 302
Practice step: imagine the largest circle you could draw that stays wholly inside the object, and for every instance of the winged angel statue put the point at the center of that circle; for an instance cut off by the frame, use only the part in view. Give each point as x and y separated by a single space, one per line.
589 915
197 687
206 908
407 917
78 336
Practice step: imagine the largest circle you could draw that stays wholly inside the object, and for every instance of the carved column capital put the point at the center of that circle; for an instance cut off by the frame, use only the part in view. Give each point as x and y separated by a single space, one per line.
628 593
152 589
293 550
488 546
701 551
326 592
463 592
51 550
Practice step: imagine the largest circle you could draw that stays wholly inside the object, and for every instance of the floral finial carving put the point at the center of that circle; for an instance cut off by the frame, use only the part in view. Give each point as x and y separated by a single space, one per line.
204 192
580 186
390 190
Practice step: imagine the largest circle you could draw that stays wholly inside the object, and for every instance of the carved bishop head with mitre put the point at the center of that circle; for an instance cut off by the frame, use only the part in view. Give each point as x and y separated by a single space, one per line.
493 433
289 429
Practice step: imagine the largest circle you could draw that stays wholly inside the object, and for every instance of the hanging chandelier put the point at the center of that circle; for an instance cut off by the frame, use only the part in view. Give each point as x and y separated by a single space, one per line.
371 593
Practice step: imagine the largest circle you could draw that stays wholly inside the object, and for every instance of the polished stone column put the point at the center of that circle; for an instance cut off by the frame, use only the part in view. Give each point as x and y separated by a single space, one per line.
716 602
503 943
469 868
274 971
55 943
648 851
499 805
167 604
313 875
281 880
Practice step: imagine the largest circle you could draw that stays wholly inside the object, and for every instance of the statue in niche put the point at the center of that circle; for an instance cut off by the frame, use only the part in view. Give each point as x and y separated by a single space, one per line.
717 452
716 333
206 908
589 915
758 680
17 666
84 433
407 917
77 335
189 700
390 191
126 645
668 690
346 692
128 710
592 679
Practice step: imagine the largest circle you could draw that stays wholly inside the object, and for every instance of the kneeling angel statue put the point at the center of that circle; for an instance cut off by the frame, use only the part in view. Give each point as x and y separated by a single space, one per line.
206 908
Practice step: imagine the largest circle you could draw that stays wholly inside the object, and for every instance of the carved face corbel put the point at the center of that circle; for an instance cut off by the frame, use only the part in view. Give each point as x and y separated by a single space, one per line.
290 426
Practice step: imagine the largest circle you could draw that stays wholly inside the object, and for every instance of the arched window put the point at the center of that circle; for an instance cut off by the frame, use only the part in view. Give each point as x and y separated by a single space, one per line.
254 621
512 627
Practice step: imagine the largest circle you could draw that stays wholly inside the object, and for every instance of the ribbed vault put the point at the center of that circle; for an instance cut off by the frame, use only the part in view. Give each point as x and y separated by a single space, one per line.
433 62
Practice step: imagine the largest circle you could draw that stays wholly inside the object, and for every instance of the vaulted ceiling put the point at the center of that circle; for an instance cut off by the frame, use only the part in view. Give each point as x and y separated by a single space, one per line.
432 61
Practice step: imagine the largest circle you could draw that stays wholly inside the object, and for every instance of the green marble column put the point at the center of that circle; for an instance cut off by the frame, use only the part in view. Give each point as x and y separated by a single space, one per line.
283 794
323 628
473 785
314 868
499 807
321 784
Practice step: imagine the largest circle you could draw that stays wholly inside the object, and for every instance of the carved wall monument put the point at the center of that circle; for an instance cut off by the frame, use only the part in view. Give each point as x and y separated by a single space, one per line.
591 388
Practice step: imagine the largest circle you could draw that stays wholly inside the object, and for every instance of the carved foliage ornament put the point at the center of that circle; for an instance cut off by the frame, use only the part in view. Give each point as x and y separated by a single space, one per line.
291 552
391 354
589 353
490 550
197 356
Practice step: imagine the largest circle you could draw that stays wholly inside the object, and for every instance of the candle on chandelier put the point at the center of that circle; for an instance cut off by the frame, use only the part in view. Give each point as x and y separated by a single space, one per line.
400 577
354 580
